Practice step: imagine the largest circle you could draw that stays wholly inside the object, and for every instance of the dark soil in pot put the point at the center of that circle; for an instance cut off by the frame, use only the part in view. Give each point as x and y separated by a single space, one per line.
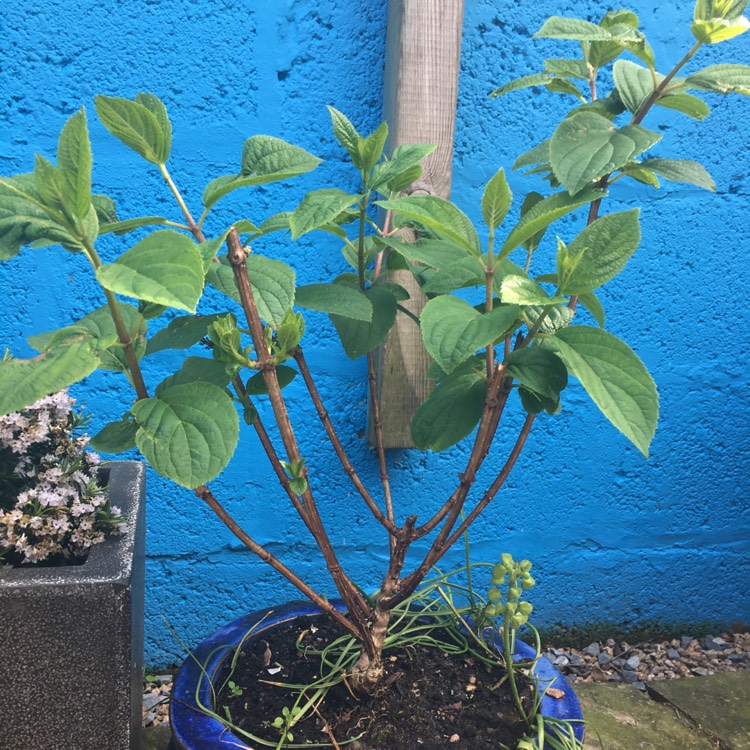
430 699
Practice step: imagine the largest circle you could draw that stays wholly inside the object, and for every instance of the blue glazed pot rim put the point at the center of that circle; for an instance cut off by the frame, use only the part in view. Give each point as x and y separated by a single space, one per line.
195 729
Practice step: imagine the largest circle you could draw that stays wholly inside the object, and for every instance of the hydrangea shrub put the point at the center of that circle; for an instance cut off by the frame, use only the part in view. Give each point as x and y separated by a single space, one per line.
52 507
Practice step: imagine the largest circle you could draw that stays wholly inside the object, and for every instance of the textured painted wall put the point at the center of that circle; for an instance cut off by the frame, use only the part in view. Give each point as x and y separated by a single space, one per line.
613 537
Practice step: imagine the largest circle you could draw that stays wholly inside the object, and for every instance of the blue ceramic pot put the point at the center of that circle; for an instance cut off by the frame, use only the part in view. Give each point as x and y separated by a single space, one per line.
193 729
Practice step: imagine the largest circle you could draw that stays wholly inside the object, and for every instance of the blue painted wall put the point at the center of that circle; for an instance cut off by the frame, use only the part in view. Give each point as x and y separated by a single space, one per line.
613 537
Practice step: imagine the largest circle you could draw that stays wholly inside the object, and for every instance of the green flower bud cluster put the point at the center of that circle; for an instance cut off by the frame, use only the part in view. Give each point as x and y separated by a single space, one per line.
516 577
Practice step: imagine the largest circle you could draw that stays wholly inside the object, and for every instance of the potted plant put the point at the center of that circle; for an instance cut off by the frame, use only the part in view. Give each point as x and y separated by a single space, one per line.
71 585
496 329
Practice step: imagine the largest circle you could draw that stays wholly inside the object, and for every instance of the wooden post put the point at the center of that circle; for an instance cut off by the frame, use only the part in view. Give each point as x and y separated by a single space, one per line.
423 51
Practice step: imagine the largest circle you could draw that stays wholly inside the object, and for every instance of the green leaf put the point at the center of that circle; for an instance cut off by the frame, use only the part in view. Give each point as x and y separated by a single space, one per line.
100 324
358 337
525 82
164 267
105 208
467 271
539 370
197 369
264 159
564 86
543 213
336 299
24 218
188 433
450 412
429 252
645 176
587 146
373 146
719 29
346 134
555 319
729 9
681 170
439 215
634 83
135 125
687 104
601 251
50 184
403 159
537 155
520 290
157 108
567 67
557 27
256 385
319 207
403 180
591 302
623 28
496 200
115 437
272 282
727 78
70 359
452 330
123 227
74 162
181 333
614 377
535 404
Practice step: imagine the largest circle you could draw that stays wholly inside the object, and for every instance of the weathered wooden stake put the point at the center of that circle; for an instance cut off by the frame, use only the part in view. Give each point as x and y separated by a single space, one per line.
421 84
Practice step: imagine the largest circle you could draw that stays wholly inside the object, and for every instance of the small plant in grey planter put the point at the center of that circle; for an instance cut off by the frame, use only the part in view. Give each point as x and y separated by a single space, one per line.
501 323
71 586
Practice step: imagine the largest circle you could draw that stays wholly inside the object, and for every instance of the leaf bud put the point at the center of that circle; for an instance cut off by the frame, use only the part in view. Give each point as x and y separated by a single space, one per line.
494 595
514 593
499 571
507 560
525 608
511 608
517 620
527 582
500 608
491 610
525 565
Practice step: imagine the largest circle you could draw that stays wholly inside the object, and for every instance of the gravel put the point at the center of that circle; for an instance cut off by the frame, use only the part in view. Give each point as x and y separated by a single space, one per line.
638 663
608 661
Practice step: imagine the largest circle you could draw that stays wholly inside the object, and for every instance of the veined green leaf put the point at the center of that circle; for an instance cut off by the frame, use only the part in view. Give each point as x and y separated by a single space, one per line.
74 162
567 67
403 159
256 385
525 82
496 200
197 369
450 412
165 267
614 377
100 324
645 176
346 134
439 215
135 125
559 85
520 290
337 299
373 146
557 27
272 282
182 332
105 208
539 370
681 170
70 359
188 433
50 184
634 83
24 219
726 78
687 104
587 146
452 330
359 337
433 253
537 155
591 302
157 108
123 227
729 9
318 208
116 437
467 271
543 213
719 29
601 251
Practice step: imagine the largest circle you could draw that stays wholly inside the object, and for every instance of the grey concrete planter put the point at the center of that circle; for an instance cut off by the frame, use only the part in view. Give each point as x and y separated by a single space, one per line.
71 640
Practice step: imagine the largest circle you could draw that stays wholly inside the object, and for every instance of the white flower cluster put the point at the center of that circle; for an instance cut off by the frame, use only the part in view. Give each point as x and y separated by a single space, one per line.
52 509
